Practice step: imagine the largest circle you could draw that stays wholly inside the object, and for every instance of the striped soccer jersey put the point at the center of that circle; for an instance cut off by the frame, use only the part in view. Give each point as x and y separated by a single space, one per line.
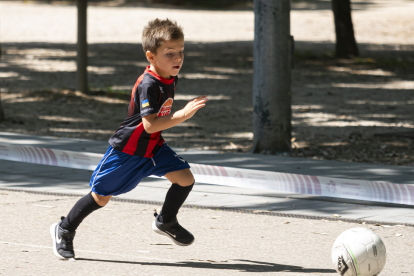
151 94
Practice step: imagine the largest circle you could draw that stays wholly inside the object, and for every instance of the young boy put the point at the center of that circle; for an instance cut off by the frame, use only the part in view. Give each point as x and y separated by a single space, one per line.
137 149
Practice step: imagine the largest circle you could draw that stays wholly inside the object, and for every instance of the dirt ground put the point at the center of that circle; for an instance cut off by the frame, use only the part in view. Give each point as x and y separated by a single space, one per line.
358 110
118 240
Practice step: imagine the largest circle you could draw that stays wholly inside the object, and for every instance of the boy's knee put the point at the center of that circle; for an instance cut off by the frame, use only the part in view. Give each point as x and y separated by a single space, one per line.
101 200
186 179
183 178
187 182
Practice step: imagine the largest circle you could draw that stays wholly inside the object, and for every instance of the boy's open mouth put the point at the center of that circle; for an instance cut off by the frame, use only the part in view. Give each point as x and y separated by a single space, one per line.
176 67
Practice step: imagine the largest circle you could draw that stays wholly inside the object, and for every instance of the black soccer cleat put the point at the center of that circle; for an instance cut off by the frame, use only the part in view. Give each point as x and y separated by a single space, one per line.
178 234
62 241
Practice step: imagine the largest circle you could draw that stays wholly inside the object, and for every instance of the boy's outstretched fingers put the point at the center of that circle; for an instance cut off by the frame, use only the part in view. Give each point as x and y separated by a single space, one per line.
195 104
200 102
200 98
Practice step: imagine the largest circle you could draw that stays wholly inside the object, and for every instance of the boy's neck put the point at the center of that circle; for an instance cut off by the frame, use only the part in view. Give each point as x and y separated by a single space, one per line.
154 69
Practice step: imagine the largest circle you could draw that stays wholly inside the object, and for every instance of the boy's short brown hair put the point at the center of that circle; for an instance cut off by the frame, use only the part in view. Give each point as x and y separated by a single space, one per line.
158 31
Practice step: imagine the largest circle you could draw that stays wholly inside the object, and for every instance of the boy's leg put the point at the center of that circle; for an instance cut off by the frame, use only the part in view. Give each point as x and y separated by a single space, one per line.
64 232
182 184
166 222
83 208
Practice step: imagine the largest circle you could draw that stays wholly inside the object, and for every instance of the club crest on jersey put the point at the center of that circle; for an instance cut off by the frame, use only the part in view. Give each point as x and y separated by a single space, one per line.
145 103
165 108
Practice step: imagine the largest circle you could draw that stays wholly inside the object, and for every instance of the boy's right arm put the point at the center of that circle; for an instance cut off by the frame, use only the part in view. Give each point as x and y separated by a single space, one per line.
152 123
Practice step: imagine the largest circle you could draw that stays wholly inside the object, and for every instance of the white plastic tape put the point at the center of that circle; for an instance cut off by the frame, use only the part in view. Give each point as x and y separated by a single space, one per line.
53 157
281 182
306 184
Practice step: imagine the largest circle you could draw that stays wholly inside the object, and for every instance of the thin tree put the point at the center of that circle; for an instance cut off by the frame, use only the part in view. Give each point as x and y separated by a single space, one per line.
346 45
82 58
1 107
272 97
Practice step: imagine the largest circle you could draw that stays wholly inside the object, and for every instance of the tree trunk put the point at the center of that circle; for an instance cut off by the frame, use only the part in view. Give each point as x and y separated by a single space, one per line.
82 59
1 112
272 97
346 45
1 107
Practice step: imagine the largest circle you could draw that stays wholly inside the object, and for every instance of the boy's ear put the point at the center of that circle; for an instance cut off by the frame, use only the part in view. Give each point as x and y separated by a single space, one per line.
150 56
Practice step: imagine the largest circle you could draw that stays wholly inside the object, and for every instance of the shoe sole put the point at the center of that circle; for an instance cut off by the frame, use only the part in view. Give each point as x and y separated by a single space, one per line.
53 234
158 231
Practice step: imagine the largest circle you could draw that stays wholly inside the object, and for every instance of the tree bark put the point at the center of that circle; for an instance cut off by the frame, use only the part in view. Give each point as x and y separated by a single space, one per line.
82 58
1 107
346 45
272 97
1 112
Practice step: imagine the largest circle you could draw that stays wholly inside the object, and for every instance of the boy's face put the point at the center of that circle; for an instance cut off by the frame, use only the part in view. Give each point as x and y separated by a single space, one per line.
169 58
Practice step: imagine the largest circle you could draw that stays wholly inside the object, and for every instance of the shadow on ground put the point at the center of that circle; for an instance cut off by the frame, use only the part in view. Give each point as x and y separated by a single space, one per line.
338 105
253 266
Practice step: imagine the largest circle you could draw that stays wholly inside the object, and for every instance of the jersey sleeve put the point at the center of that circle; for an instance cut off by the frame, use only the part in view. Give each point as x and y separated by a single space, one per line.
147 99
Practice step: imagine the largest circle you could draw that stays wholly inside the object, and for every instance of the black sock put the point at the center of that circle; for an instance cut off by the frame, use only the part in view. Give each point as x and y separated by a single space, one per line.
175 197
80 210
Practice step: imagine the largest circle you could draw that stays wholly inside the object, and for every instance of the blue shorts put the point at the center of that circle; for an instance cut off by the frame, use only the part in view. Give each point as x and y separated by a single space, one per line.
119 173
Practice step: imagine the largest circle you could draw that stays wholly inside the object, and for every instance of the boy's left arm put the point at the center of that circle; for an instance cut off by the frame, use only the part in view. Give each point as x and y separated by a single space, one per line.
152 123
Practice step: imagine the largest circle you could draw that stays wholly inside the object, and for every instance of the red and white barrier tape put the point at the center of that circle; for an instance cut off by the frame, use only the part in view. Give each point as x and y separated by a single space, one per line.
281 182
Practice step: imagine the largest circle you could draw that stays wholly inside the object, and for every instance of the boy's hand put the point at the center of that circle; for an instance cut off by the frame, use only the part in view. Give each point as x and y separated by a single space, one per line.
192 106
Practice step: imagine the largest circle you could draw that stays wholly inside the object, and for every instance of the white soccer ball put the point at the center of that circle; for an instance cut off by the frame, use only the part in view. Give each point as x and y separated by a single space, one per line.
358 252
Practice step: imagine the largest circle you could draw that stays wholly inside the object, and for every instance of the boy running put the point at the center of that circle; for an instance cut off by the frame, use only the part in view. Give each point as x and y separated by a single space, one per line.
137 149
